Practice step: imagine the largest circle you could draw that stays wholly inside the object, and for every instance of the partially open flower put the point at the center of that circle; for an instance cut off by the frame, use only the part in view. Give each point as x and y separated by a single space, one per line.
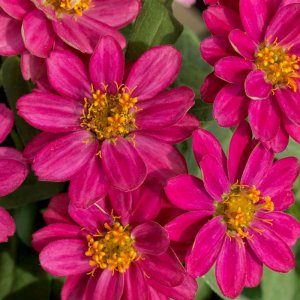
234 216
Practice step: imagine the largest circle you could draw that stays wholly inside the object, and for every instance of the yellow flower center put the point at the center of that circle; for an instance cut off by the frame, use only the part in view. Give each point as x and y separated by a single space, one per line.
109 116
71 7
113 249
281 68
239 206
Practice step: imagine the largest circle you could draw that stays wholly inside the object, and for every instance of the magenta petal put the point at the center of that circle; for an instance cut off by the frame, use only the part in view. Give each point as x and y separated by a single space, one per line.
124 167
243 44
38 34
187 192
211 87
53 232
6 121
206 247
233 69
256 85
7 225
280 141
283 200
260 114
65 257
231 105
214 178
74 287
150 238
107 64
254 268
72 81
271 249
50 112
231 267
32 67
292 129
146 76
62 158
239 151
16 8
258 164
164 109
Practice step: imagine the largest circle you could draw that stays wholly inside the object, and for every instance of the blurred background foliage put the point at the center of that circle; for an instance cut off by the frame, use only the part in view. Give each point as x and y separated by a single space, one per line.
21 276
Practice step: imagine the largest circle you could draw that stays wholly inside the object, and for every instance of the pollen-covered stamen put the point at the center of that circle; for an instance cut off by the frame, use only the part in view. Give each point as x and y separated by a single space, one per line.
109 116
281 67
239 206
71 7
112 249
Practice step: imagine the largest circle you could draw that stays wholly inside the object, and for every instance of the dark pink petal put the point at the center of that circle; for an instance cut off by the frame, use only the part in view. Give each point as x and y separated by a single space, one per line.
65 257
231 267
254 268
150 238
65 156
53 232
176 133
206 247
146 77
271 249
50 112
16 8
289 104
260 114
74 287
11 42
155 295
135 287
107 285
211 87
187 192
239 151
205 143
243 44
231 105
12 153
162 160
57 210
7 225
123 165
214 48
259 163
220 20
233 69
280 141
283 200
164 109
281 177
32 67
115 13
38 35
292 129
185 227
71 81
257 86
6 122
107 64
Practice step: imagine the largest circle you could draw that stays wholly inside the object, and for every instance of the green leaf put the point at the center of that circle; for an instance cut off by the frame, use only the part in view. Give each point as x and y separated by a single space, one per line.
202 111
204 292
29 193
154 26
15 87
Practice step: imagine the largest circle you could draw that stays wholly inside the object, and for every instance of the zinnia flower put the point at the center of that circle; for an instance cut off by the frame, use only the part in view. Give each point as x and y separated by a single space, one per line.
258 70
106 257
240 203
13 171
31 28
104 128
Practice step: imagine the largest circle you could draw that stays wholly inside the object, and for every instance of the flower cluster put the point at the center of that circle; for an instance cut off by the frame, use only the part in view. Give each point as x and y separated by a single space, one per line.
131 222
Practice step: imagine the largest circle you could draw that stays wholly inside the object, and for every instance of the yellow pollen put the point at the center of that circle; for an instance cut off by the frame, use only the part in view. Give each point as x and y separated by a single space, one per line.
112 250
282 69
71 7
109 116
239 206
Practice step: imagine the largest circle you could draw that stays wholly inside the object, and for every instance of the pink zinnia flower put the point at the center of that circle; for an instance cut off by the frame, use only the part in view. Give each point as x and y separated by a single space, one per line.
258 70
102 127
13 171
126 257
31 28
240 202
